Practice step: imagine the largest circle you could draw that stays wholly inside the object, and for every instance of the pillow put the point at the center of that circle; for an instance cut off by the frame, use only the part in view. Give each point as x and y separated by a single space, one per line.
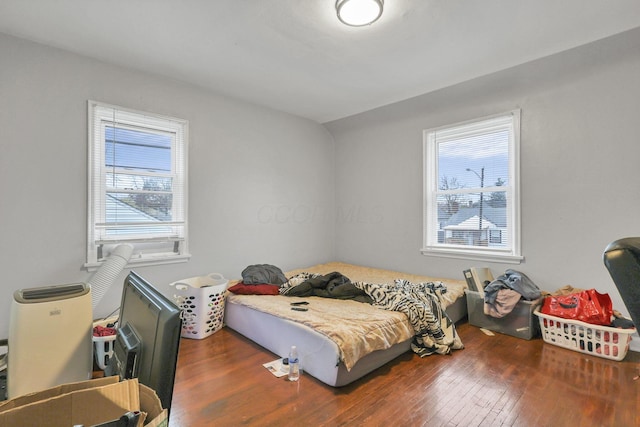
260 289
258 274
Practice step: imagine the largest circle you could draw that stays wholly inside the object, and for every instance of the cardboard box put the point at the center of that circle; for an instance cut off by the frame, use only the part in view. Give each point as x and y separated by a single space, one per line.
520 323
85 403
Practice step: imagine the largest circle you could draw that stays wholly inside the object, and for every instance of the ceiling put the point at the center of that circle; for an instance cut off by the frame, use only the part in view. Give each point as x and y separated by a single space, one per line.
295 56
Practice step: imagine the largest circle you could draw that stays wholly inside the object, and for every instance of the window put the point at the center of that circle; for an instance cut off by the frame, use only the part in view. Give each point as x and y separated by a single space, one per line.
471 189
137 185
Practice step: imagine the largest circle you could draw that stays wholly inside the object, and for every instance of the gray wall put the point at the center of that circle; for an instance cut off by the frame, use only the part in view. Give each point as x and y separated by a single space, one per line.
270 187
580 166
261 182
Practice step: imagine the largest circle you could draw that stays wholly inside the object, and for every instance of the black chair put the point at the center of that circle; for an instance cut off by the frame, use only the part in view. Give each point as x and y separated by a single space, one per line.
622 259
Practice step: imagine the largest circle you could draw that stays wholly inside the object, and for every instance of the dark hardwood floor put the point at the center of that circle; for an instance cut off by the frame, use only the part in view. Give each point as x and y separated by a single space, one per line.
495 381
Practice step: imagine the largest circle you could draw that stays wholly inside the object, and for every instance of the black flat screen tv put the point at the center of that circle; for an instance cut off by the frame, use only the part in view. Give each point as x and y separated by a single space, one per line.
147 339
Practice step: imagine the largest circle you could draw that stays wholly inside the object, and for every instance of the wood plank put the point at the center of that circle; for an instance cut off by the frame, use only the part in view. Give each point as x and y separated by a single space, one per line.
494 381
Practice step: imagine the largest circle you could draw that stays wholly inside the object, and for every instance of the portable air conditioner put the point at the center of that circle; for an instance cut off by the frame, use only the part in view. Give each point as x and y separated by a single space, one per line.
50 340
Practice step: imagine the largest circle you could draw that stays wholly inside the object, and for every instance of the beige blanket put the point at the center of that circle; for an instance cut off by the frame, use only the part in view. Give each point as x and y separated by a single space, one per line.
357 328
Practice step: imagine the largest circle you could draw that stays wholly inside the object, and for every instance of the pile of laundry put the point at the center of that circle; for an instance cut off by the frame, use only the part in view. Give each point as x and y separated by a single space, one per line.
503 293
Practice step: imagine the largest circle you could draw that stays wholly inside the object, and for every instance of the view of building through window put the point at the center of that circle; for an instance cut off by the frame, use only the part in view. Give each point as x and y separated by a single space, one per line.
137 185
138 177
471 205
470 186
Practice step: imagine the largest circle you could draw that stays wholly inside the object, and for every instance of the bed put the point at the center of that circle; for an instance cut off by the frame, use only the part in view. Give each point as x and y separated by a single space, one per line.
270 321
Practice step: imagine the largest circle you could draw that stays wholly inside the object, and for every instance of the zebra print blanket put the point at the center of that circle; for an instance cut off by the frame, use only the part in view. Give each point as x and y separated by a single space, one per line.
421 303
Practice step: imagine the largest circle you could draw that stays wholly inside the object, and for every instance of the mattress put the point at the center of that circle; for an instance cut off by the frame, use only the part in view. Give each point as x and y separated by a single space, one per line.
320 356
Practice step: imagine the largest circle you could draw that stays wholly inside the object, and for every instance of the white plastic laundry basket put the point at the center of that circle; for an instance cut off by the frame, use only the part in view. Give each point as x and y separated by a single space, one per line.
103 346
601 341
202 302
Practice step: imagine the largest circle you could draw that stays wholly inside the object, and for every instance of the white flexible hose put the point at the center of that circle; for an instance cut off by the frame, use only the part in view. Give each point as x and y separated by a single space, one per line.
108 272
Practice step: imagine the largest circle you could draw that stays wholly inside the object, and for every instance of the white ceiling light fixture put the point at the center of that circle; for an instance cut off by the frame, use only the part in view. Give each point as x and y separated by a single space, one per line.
358 13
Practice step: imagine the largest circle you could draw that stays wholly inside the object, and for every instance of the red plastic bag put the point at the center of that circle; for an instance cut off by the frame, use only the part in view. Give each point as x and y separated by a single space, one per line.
587 306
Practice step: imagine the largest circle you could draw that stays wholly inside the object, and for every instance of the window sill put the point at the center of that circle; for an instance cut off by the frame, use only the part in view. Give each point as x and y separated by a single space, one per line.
473 255
144 261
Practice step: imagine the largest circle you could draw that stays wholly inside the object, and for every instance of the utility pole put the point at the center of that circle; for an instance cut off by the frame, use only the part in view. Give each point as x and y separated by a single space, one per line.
481 176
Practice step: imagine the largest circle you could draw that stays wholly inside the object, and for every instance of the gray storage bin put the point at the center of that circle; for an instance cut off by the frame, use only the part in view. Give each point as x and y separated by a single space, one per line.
520 323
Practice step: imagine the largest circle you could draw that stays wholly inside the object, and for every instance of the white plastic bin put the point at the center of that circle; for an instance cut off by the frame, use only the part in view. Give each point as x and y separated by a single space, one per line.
602 341
202 302
103 346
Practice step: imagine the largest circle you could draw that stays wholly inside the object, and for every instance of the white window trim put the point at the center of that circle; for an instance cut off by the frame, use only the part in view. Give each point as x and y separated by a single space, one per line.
512 255
97 187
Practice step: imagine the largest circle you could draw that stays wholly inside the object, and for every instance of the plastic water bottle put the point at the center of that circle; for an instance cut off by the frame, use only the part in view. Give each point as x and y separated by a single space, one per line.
294 364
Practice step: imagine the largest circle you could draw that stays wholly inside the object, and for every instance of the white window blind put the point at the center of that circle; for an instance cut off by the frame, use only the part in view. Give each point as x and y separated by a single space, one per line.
471 189
137 184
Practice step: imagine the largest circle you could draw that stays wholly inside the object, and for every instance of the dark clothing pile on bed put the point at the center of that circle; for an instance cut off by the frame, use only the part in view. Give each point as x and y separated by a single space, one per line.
259 279
332 285
263 274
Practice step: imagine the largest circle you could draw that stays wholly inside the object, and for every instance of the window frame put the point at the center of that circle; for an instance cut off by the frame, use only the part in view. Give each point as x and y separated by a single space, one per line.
431 247
149 249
